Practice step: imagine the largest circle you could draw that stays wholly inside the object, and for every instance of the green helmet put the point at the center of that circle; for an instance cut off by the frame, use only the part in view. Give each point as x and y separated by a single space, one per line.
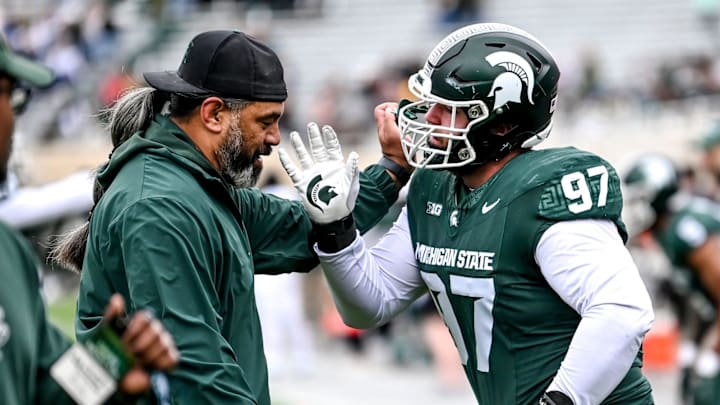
498 75
648 186
657 177
711 137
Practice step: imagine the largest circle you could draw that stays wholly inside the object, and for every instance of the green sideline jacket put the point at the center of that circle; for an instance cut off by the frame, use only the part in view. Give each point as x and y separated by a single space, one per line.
29 344
170 235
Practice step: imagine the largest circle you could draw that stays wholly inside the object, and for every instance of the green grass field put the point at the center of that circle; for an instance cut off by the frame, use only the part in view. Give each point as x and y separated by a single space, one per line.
62 314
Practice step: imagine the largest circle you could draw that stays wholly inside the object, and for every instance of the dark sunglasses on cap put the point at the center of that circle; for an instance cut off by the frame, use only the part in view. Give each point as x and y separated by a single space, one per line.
19 97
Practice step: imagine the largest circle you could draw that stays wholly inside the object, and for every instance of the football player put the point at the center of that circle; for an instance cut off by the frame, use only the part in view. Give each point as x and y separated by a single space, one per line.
522 250
687 228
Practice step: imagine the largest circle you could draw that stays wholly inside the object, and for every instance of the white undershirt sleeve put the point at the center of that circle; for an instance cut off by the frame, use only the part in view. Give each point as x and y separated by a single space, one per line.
32 206
370 287
588 266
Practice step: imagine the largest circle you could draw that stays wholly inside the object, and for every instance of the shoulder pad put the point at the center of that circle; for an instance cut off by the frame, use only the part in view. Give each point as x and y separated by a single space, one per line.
697 219
577 185
570 184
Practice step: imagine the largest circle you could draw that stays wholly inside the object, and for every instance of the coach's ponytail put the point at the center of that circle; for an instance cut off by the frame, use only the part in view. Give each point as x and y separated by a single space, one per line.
131 113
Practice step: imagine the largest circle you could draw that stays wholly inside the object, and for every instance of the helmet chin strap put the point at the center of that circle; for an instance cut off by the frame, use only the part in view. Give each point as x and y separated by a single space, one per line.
495 146
537 138
494 140
482 159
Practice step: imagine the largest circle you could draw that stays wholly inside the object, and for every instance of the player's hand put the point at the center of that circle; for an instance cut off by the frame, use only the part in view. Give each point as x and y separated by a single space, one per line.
389 133
147 340
327 184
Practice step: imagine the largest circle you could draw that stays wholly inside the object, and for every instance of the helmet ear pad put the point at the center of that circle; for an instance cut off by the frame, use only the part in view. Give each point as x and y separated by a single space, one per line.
502 133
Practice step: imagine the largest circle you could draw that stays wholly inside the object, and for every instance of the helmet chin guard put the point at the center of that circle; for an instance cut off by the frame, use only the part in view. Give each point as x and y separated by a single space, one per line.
416 132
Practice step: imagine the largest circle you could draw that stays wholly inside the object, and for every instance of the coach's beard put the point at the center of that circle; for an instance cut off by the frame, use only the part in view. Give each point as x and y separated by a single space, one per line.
235 165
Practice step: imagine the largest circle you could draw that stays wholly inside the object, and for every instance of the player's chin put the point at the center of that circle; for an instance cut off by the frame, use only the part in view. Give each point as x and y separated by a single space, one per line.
437 143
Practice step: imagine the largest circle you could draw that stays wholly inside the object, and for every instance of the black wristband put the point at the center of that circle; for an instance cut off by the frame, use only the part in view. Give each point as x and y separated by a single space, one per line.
335 236
555 398
402 174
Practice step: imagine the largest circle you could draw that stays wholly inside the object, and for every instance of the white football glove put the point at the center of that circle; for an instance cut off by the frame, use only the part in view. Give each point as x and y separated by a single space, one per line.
328 187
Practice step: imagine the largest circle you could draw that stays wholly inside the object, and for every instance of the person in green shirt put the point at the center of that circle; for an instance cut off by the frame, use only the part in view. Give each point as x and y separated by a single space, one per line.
178 227
29 343
522 250
686 226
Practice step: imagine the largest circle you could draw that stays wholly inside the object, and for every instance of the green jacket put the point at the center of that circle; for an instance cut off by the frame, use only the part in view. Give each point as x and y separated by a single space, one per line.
29 344
170 235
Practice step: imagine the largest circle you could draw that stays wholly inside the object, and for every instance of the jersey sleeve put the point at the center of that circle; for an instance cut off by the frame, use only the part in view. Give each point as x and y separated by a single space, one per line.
280 230
51 343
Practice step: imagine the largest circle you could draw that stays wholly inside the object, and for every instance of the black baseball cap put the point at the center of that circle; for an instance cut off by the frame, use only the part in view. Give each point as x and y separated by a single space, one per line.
227 64
22 68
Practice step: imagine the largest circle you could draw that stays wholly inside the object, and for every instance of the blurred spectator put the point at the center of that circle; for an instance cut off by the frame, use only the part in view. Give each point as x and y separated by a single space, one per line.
590 86
347 103
686 76
113 85
455 13
65 56
709 14
99 33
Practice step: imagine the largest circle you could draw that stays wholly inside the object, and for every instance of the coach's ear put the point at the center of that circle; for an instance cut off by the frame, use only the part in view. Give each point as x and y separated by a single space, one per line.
214 116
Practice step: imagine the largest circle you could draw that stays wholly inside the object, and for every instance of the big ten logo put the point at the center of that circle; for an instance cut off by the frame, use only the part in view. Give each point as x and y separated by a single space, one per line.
434 209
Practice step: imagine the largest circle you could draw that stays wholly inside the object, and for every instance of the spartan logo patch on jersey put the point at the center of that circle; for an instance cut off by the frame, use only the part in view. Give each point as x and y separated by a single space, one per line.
508 86
316 193
454 221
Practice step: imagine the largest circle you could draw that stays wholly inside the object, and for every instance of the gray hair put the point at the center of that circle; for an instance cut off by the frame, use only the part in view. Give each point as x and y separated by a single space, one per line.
131 113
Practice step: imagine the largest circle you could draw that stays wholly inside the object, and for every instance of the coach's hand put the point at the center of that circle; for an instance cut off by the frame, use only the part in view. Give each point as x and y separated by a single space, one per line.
151 345
327 184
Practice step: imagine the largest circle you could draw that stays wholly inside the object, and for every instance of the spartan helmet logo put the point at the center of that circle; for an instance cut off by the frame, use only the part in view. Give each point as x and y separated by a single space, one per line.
507 86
